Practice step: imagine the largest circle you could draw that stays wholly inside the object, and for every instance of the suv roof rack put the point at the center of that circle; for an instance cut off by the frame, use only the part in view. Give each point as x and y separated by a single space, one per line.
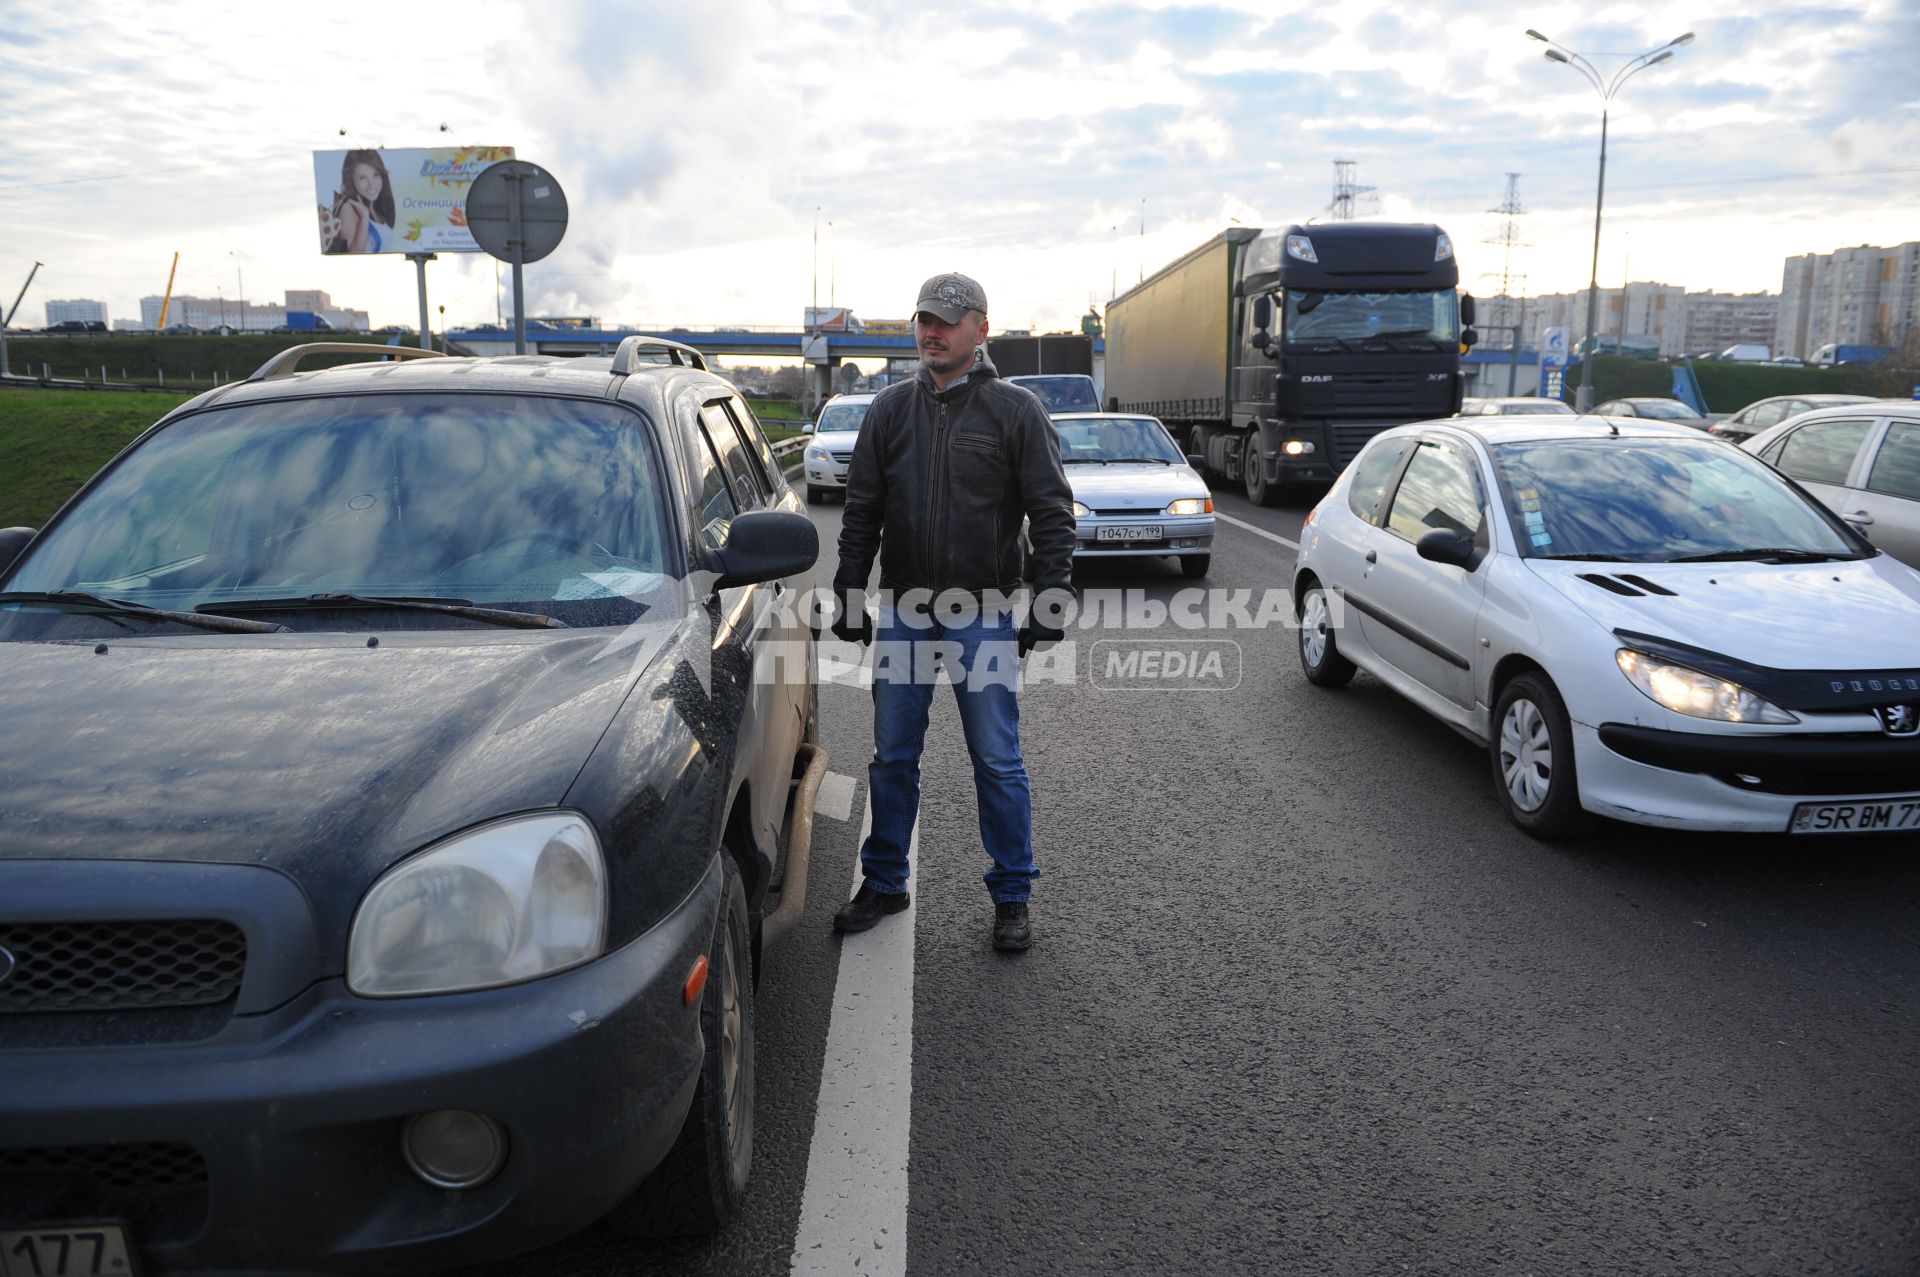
288 361
628 356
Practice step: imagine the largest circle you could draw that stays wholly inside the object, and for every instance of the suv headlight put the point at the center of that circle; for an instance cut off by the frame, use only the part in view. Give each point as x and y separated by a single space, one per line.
817 453
507 902
1688 691
1080 511
1192 505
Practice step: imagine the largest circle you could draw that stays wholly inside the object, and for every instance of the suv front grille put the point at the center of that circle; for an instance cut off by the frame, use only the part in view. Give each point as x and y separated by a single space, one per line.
161 1189
117 966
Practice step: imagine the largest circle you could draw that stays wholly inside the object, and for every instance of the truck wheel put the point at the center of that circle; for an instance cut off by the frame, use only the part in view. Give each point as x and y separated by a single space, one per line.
1259 491
1532 754
699 1185
1320 658
1197 447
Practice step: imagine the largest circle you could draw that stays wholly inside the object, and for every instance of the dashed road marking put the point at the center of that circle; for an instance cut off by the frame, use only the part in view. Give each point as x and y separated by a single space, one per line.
835 798
853 1213
1256 530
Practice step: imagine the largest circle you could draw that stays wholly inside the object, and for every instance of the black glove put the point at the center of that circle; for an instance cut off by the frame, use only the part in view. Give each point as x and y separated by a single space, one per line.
1033 634
851 623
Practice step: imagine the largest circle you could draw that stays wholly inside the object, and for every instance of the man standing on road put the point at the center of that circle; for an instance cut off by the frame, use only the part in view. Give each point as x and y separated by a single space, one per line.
946 466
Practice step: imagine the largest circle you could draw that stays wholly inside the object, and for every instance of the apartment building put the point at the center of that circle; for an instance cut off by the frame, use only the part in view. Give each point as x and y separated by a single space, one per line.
1866 296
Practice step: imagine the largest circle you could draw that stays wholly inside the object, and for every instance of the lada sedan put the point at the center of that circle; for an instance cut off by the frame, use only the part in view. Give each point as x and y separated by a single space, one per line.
399 763
1134 494
1637 621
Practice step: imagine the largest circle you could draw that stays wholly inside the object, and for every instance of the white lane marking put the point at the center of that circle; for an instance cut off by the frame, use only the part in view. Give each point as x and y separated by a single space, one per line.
1257 531
853 1213
835 798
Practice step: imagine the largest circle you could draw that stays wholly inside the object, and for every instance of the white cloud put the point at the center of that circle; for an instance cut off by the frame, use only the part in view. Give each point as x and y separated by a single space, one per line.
696 142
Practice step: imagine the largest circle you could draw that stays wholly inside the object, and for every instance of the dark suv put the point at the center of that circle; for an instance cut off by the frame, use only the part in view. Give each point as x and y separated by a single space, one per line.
404 764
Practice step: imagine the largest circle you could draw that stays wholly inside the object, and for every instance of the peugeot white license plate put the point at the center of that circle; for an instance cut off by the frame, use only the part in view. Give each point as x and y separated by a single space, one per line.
66 1250
1130 532
1883 815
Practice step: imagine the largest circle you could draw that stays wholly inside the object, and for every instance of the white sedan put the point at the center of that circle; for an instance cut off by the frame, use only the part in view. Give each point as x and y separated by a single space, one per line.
1133 492
1636 620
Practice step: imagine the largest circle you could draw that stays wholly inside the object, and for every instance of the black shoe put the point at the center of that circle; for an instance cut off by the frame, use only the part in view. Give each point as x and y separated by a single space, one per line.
867 908
1011 929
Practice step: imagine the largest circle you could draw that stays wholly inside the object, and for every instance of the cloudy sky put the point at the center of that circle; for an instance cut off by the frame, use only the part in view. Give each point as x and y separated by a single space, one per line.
701 145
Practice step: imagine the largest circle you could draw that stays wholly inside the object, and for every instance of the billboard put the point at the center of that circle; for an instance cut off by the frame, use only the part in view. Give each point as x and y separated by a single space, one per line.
398 200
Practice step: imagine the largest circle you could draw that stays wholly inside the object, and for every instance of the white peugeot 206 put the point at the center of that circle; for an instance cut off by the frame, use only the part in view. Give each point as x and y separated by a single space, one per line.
1636 620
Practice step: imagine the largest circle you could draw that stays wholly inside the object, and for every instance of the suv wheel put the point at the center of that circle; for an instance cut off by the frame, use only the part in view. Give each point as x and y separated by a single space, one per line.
700 1183
1532 754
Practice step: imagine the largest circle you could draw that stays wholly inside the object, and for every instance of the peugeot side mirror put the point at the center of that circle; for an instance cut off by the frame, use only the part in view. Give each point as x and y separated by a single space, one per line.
763 545
12 541
1442 545
1466 308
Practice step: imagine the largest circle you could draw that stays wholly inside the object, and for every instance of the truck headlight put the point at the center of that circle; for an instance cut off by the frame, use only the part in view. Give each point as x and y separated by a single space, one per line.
1442 247
1297 447
1080 511
1300 248
510 901
1688 691
1192 505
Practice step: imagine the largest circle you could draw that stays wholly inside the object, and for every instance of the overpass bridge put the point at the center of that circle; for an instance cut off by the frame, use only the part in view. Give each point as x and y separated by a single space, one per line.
823 350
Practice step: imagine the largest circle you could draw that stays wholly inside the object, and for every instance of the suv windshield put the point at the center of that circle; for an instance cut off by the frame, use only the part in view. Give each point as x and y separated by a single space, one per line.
837 417
1069 393
1113 439
1658 501
1334 318
531 504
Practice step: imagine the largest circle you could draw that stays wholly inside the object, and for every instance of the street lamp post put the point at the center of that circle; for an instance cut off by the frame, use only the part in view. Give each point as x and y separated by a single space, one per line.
1606 88
239 288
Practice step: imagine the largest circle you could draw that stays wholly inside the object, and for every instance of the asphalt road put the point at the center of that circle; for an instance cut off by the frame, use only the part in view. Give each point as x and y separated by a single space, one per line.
1303 1001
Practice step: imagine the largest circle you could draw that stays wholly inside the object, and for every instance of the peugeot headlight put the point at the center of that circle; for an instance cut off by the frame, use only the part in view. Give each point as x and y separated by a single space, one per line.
510 901
1192 505
1080 511
1688 691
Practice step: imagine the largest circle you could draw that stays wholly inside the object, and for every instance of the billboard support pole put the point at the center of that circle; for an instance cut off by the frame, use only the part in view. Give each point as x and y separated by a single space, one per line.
420 261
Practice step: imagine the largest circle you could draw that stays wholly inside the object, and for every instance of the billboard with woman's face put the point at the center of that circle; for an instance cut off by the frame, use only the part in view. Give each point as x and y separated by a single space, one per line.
408 200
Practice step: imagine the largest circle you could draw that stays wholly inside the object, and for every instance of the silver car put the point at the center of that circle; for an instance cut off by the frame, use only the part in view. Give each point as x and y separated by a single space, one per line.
1760 414
830 449
1514 406
1133 492
1862 461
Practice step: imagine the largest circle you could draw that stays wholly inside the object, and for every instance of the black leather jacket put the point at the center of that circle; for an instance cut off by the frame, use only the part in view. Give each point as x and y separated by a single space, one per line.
939 483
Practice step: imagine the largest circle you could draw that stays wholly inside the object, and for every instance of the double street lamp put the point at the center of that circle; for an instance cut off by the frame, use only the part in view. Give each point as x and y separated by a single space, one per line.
1606 88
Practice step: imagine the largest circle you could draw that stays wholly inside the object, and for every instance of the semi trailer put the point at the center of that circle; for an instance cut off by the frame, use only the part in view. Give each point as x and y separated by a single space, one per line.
1276 354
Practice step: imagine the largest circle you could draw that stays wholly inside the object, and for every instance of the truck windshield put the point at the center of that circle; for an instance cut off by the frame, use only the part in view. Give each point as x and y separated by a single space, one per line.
1425 315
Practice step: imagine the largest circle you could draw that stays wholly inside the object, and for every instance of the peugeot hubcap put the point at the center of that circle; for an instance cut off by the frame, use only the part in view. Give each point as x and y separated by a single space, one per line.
1526 755
1313 629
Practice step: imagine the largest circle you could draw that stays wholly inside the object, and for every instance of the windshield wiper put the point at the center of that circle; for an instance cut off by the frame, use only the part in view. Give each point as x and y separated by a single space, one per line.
1122 461
421 603
1589 558
126 607
1777 553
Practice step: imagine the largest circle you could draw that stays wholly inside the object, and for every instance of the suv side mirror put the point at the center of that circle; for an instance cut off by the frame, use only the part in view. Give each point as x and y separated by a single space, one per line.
764 545
12 541
806 427
1466 308
1442 545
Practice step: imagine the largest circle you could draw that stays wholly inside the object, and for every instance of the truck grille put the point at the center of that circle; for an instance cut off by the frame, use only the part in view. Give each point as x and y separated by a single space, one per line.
117 966
1348 440
161 1189
1405 395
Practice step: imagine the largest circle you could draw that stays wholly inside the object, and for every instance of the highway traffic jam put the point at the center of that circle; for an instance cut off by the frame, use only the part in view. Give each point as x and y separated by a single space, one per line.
500 730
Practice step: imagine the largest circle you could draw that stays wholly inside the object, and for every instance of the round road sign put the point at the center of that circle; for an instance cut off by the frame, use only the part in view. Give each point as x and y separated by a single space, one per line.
542 210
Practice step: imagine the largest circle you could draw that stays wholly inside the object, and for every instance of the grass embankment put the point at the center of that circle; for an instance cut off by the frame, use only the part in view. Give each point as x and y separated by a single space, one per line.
186 360
1727 387
52 441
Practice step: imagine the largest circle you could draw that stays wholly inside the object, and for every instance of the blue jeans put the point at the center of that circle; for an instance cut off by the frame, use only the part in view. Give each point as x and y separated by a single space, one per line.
982 658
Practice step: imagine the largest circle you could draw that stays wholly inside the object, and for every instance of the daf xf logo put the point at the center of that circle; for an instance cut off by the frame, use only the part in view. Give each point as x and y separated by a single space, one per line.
1895 720
1318 376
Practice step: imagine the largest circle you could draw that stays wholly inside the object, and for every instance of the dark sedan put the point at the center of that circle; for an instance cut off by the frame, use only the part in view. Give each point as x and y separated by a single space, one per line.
398 761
